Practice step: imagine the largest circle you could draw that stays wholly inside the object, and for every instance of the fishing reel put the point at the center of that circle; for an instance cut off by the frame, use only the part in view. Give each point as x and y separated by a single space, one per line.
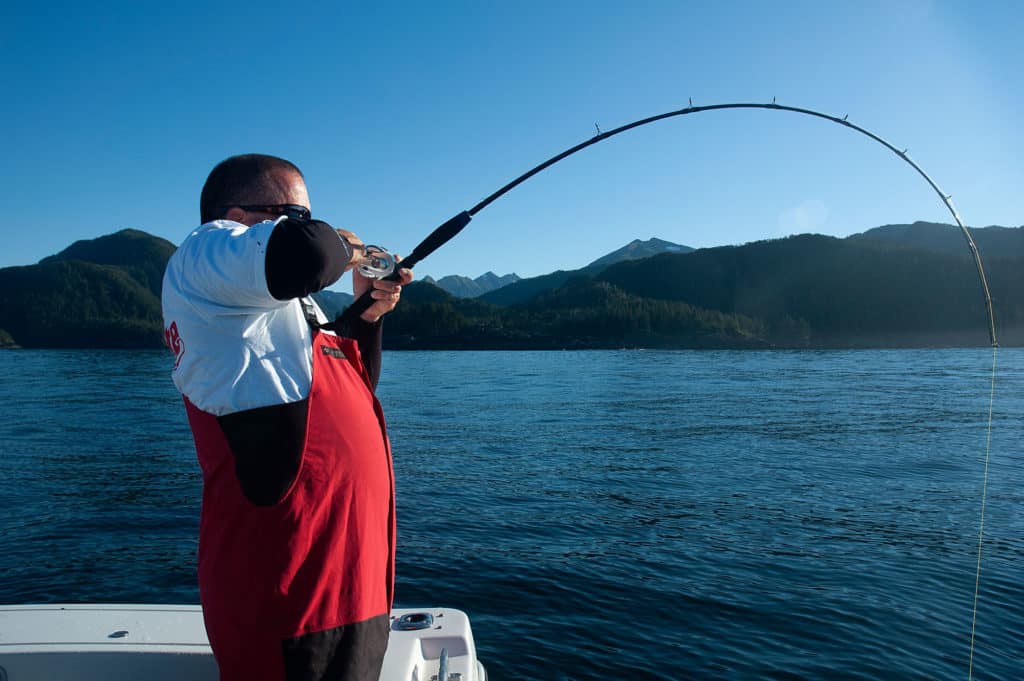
377 263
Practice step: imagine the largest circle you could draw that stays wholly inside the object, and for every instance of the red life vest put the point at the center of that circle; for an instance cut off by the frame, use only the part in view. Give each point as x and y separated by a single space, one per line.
320 558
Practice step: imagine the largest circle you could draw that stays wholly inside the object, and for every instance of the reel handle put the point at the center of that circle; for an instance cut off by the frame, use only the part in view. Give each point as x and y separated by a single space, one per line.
360 304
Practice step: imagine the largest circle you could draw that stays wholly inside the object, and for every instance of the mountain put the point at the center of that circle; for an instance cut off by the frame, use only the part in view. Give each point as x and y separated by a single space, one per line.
844 292
638 250
143 256
490 281
100 293
993 243
525 289
464 287
944 238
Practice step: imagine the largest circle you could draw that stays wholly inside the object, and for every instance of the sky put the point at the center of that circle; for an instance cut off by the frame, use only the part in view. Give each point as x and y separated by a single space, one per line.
402 114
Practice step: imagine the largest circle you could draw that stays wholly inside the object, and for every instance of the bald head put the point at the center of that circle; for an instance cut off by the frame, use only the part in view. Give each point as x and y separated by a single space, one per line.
249 179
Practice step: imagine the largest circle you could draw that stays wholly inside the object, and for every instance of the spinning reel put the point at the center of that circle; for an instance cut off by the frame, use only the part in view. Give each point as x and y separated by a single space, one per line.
377 263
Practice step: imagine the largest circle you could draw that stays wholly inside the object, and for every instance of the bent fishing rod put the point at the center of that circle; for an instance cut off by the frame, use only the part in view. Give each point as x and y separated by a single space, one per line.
381 266
384 266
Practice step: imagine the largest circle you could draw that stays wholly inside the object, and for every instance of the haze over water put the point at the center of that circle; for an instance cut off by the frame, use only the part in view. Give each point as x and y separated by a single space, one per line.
689 514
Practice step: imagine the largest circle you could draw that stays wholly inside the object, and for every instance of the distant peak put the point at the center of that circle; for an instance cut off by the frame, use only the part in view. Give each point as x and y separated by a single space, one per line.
638 250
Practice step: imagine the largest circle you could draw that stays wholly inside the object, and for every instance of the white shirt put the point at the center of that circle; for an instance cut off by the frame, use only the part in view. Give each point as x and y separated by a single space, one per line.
236 346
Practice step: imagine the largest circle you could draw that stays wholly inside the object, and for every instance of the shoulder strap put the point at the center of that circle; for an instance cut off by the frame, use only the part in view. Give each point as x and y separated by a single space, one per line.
340 326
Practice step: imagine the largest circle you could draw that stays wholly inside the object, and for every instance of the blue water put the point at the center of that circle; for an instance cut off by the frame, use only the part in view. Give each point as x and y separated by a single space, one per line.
652 515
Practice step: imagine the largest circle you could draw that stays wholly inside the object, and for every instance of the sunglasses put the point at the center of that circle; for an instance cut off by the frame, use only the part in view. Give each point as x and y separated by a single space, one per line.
290 209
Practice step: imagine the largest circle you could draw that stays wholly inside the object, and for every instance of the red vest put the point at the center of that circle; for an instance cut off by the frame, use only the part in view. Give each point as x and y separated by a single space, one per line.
321 557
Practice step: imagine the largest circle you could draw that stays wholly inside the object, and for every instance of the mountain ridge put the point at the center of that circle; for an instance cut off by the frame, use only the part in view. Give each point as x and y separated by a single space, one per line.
464 287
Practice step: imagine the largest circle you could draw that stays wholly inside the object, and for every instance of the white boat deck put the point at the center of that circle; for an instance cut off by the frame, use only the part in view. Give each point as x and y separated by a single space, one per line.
164 642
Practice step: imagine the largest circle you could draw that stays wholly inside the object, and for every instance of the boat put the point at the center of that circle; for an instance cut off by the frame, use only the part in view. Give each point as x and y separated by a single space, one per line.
165 642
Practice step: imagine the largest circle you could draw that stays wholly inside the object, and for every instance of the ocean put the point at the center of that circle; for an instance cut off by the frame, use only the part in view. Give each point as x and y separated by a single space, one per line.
637 514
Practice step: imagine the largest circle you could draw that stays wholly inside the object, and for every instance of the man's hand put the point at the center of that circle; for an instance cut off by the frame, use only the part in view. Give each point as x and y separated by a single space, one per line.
385 293
358 248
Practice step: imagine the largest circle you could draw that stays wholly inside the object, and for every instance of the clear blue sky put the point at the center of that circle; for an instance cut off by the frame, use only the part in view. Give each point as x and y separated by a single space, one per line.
403 114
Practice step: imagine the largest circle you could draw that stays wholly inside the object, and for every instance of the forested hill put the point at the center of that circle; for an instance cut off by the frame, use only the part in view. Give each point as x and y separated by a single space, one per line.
999 242
840 293
103 293
142 256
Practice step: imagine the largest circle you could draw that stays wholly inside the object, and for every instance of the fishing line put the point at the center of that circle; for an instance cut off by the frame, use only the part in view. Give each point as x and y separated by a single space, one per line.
981 524
445 232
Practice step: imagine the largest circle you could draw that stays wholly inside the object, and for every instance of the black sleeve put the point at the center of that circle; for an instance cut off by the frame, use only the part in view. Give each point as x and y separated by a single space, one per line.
368 336
304 256
267 444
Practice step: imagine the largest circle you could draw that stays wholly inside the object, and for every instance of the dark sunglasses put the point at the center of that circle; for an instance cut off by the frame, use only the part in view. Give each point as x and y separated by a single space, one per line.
290 209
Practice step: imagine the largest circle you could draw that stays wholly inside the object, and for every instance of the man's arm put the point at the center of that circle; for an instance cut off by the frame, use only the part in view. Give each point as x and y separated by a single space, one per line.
368 335
367 328
304 257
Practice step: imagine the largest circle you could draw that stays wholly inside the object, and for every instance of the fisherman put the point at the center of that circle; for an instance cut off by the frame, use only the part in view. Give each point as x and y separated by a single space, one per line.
297 530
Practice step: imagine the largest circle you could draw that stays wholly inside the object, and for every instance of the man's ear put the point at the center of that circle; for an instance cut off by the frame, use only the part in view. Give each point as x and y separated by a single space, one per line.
235 214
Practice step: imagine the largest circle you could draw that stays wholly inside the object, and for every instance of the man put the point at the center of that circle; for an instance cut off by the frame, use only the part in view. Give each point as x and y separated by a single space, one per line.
297 531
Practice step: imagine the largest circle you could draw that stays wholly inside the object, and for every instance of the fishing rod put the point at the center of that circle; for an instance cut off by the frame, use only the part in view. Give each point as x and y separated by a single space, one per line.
382 265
